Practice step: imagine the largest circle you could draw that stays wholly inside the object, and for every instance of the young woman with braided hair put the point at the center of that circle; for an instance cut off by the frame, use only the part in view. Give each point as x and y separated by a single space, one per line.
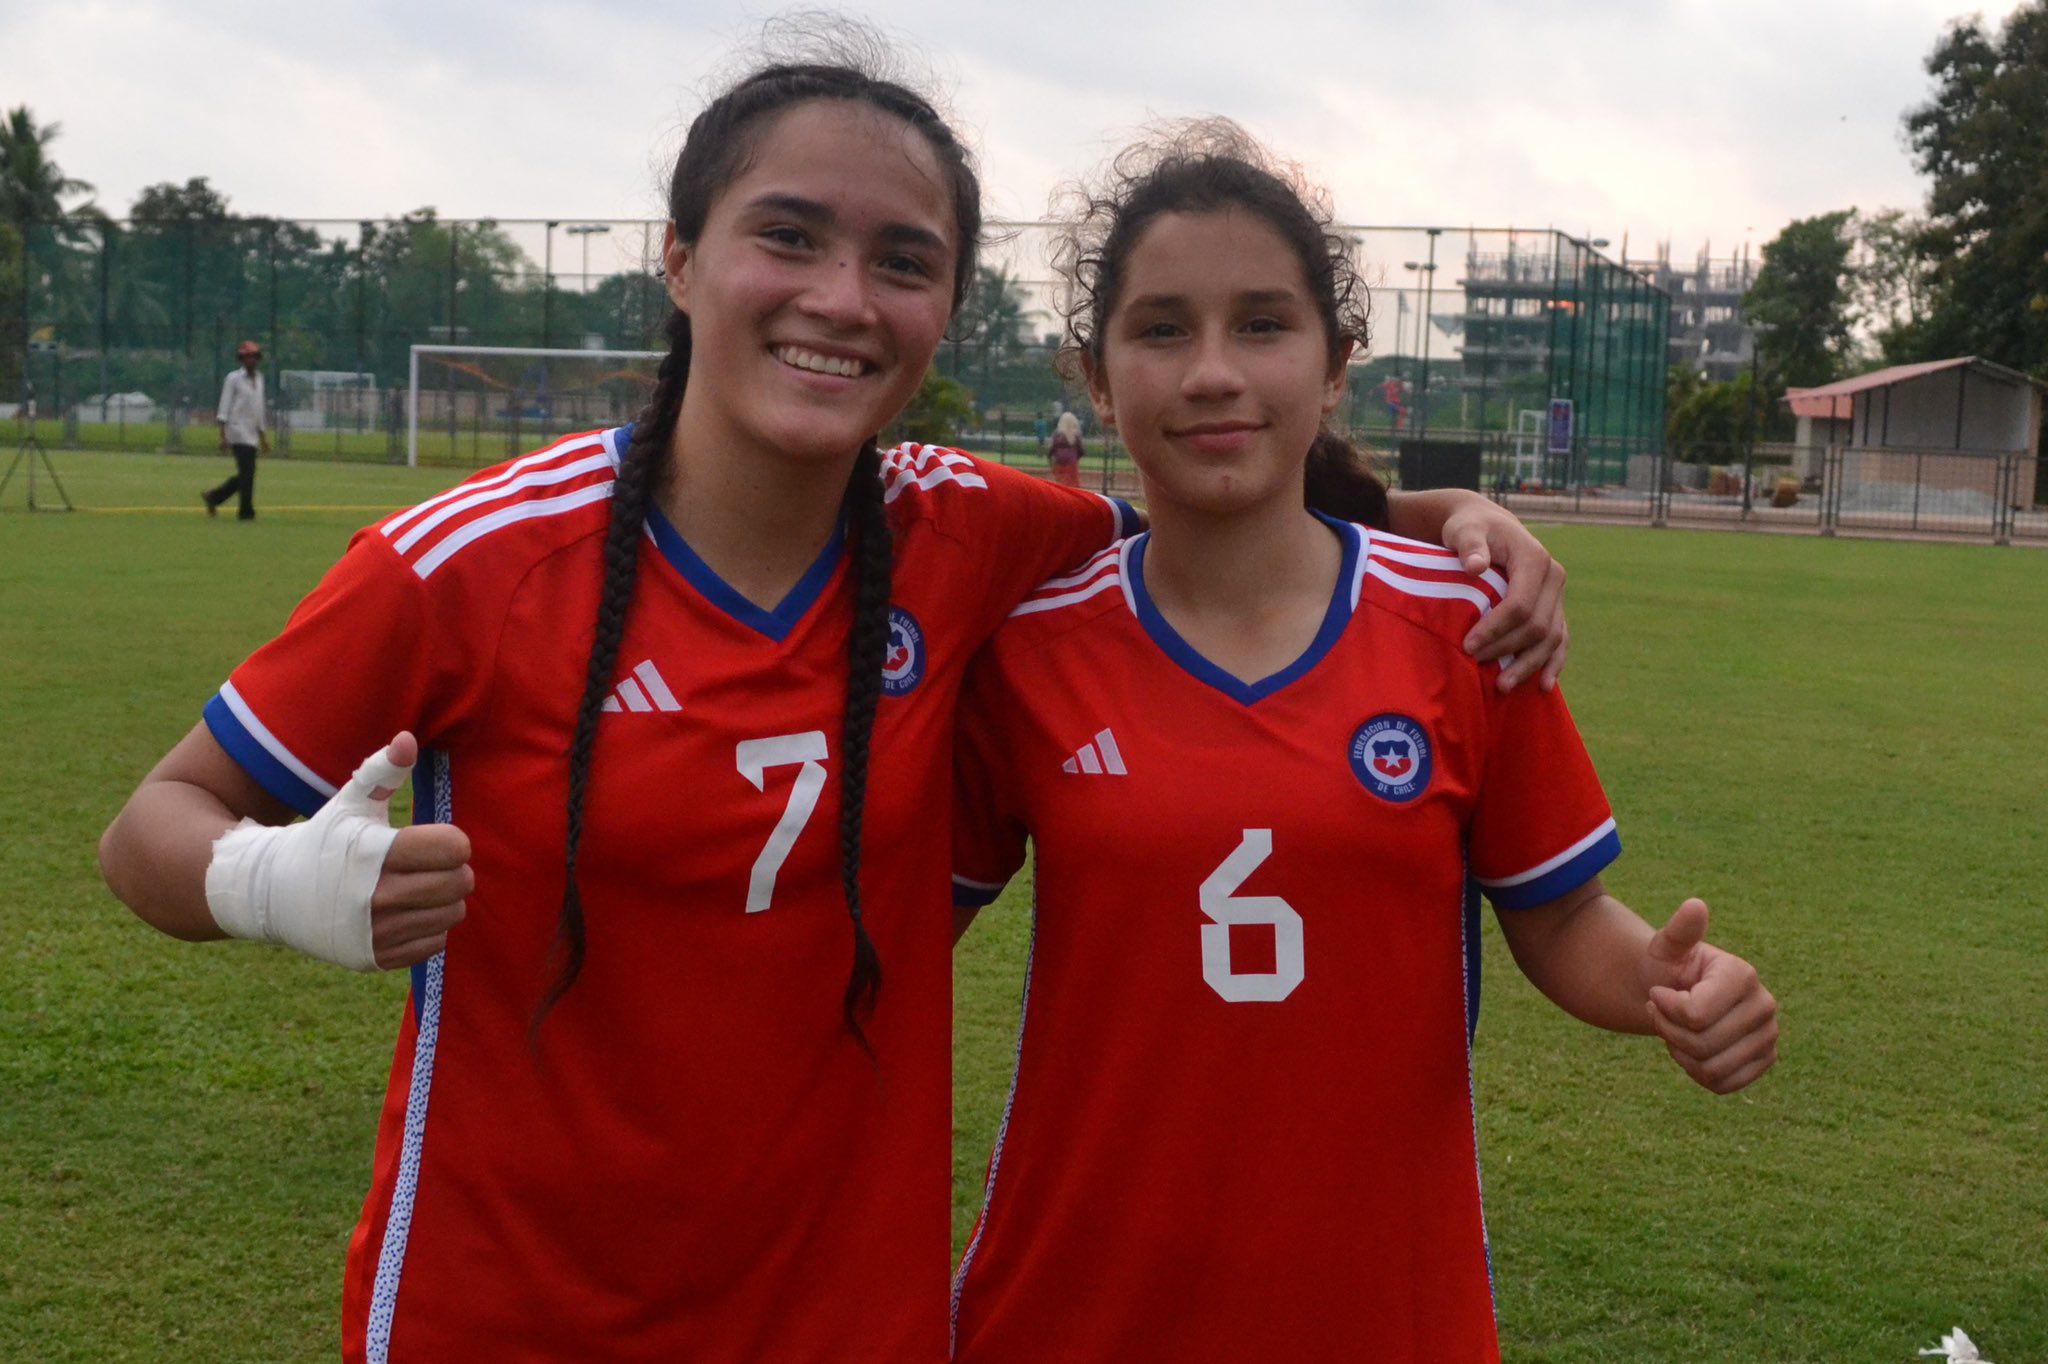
674 1077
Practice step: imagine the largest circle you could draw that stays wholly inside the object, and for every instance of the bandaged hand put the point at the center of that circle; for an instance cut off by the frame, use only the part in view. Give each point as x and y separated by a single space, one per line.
344 886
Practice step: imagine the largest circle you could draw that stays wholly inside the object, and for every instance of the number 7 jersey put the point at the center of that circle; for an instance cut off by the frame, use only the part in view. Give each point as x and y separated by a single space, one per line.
1241 1125
691 1159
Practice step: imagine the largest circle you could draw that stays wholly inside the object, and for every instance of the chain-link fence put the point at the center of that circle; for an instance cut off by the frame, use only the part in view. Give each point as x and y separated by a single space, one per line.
121 332
1824 489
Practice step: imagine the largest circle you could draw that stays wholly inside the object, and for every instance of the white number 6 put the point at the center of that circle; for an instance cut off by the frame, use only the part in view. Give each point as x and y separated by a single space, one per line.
754 757
1225 907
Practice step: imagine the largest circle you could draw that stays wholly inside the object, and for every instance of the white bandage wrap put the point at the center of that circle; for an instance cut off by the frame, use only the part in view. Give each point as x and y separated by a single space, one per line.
309 885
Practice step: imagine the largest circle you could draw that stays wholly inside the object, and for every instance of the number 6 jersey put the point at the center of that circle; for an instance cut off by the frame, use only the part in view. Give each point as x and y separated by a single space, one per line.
692 1159
1241 1125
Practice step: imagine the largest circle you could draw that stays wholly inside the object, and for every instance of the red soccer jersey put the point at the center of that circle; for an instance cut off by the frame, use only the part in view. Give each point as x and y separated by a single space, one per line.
698 1162
1241 1125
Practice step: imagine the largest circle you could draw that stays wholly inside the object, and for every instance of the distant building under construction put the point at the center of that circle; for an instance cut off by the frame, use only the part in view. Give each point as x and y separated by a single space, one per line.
1708 331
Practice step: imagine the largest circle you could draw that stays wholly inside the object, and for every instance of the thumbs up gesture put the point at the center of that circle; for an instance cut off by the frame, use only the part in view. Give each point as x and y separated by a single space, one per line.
1716 1018
344 886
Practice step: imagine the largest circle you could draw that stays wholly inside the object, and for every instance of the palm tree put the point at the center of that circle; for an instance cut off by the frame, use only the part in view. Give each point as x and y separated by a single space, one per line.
32 186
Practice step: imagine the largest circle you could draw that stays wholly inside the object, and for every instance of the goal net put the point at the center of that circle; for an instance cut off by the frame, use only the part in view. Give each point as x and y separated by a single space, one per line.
477 405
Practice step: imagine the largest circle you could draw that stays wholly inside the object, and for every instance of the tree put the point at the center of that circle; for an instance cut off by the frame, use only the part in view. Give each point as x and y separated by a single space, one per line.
1801 303
31 184
1707 422
1978 139
990 326
939 412
1893 285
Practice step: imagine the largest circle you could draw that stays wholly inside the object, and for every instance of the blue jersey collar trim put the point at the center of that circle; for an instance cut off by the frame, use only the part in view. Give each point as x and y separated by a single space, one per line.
1335 618
775 624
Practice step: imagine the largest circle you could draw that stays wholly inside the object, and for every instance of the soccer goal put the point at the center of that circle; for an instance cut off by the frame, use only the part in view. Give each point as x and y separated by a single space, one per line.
476 405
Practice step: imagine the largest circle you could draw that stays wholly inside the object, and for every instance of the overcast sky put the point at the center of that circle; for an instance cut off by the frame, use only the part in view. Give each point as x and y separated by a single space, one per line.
1682 120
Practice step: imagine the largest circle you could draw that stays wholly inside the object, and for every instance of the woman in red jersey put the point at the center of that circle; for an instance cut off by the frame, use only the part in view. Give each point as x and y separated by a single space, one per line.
1260 777
665 685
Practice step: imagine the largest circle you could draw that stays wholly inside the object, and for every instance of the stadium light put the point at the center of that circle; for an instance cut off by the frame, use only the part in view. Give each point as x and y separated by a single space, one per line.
1425 272
547 288
586 231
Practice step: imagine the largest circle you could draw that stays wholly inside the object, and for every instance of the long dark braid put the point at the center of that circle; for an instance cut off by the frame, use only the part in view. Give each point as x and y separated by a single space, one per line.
718 146
631 494
867 649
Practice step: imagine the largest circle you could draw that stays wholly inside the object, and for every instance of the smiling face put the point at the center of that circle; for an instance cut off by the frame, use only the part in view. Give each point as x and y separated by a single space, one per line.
1215 364
819 287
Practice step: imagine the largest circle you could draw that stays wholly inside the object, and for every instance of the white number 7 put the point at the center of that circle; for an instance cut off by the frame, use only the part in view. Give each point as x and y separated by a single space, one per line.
1222 903
754 757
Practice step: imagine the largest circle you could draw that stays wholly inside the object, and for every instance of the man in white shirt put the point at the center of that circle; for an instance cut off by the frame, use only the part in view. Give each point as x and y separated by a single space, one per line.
240 414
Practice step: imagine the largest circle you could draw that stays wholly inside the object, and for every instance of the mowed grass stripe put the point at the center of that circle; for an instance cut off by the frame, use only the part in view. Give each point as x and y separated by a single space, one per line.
1836 743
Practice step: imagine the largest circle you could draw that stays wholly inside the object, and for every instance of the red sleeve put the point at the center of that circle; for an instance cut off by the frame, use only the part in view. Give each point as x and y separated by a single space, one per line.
1542 826
1035 530
369 652
988 836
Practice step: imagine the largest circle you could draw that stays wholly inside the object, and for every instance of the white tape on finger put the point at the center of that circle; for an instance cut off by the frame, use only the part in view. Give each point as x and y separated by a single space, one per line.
309 885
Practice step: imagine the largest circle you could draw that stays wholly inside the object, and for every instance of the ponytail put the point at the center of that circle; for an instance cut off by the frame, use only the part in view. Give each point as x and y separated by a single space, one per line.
1341 482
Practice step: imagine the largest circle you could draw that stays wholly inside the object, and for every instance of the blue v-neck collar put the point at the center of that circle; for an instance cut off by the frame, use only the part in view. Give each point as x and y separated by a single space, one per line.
1335 618
775 624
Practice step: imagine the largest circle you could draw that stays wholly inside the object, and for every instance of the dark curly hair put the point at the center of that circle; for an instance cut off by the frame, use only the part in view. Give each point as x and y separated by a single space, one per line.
1204 166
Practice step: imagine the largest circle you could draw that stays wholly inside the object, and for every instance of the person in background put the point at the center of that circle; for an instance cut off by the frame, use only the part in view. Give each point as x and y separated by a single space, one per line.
241 417
1064 453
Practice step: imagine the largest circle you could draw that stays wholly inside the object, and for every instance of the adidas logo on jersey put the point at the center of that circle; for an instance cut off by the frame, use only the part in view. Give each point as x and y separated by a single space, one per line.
644 690
1098 757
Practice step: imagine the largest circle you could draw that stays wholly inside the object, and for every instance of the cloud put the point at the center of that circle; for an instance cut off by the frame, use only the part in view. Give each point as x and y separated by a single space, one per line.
1692 119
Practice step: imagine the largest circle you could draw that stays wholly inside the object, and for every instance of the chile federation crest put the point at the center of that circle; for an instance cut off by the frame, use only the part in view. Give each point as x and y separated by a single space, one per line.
1390 756
903 664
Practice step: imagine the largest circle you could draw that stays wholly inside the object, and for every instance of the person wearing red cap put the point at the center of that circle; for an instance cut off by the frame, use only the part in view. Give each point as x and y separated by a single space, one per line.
240 414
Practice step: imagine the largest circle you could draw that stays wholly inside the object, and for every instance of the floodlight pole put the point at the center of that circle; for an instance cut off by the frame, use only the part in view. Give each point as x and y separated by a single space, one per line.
586 231
547 288
1428 298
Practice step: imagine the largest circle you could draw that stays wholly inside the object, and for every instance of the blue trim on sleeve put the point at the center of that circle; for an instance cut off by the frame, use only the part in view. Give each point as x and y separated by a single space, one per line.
974 897
253 758
775 624
1335 617
1128 522
1559 880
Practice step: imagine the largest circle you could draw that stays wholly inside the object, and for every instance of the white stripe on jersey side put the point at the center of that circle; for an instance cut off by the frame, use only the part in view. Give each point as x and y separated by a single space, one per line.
1107 580
538 478
1552 864
1467 1022
1423 587
524 511
398 1226
995 1157
262 735
512 471
1123 571
1443 561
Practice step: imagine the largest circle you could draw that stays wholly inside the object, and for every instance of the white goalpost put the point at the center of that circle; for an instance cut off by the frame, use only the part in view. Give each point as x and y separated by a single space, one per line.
497 390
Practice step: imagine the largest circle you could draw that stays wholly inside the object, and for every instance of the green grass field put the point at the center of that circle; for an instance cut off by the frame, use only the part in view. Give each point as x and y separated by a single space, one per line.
1837 743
